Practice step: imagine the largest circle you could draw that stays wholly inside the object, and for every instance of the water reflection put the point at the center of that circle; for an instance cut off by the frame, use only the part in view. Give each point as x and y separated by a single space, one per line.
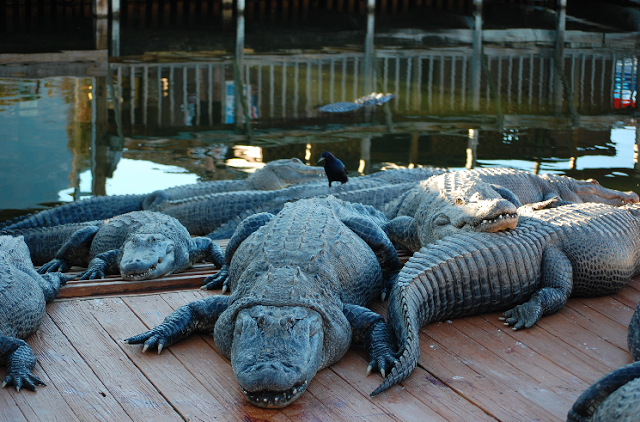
551 98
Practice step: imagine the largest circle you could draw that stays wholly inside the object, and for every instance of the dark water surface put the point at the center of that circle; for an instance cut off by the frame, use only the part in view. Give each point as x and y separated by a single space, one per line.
155 101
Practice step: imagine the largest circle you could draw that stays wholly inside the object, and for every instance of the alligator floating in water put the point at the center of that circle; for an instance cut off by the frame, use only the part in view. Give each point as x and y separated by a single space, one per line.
616 396
483 200
373 99
299 283
578 249
140 245
23 296
277 174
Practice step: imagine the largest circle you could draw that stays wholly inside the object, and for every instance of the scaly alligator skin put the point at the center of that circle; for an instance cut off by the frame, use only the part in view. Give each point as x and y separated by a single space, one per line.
299 283
140 245
579 249
277 174
202 215
483 200
23 295
616 396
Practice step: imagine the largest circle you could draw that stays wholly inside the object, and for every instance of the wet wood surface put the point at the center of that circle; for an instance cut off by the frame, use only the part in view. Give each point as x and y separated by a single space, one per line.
470 369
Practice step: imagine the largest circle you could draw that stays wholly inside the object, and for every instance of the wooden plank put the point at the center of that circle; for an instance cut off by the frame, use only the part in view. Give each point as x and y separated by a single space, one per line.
78 385
198 357
164 370
598 323
9 410
121 379
546 373
482 377
583 341
580 364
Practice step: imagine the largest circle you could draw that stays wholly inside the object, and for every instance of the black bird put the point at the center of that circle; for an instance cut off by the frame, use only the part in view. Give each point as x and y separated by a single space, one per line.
333 168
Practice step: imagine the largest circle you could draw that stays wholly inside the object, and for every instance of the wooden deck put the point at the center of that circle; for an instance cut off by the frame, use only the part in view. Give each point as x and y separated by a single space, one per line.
471 369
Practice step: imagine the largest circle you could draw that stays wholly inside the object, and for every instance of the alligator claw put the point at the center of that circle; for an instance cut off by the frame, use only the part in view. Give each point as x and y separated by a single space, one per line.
22 379
522 316
381 350
218 280
53 266
90 274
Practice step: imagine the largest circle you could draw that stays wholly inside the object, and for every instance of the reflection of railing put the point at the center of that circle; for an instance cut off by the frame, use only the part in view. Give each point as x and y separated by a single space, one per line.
435 82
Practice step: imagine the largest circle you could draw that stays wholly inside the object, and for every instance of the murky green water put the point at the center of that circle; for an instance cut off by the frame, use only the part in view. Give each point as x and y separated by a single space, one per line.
155 119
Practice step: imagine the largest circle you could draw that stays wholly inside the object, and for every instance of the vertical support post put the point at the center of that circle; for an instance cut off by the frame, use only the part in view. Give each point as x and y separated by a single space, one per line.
101 31
101 8
239 84
368 68
115 35
472 147
476 61
365 155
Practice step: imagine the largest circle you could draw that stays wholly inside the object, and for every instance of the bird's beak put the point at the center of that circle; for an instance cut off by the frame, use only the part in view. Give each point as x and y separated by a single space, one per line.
321 159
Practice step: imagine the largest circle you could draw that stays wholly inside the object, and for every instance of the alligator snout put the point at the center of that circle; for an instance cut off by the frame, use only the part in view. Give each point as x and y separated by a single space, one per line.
147 256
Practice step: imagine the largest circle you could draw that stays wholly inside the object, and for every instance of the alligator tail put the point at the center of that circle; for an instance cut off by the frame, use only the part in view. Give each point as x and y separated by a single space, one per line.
97 208
407 329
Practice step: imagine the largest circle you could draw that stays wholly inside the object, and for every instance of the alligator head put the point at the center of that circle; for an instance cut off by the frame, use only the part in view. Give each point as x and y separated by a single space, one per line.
147 256
279 174
471 206
276 351
589 191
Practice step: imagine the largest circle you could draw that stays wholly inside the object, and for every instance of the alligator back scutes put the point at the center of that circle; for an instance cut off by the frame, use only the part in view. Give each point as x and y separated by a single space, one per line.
488 272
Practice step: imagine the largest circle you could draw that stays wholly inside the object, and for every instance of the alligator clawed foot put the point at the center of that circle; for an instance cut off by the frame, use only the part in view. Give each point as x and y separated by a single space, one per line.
522 316
218 280
151 340
22 379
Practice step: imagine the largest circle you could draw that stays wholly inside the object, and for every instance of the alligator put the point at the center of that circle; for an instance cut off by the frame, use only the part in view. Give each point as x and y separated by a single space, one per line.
277 174
204 214
616 396
299 283
140 245
578 249
23 296
484 200
372 99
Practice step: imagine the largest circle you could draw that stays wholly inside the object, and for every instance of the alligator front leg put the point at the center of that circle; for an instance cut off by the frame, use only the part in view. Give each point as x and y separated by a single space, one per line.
247 227
104 263
198 316
403 231
557 282
371 332
19 360
74 252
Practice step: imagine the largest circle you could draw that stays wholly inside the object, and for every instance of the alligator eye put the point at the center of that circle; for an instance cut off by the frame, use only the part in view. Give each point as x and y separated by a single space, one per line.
260 322
459 201
288 323
441 220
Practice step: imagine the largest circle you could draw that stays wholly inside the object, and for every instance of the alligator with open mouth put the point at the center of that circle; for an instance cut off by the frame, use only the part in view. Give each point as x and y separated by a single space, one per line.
139 245
299 285
577 249
484 200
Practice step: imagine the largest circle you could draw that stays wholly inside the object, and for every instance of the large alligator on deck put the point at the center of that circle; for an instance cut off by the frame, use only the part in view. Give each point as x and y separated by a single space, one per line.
616 396
299 283
484 200
23 296
578 249
277 174
140 245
